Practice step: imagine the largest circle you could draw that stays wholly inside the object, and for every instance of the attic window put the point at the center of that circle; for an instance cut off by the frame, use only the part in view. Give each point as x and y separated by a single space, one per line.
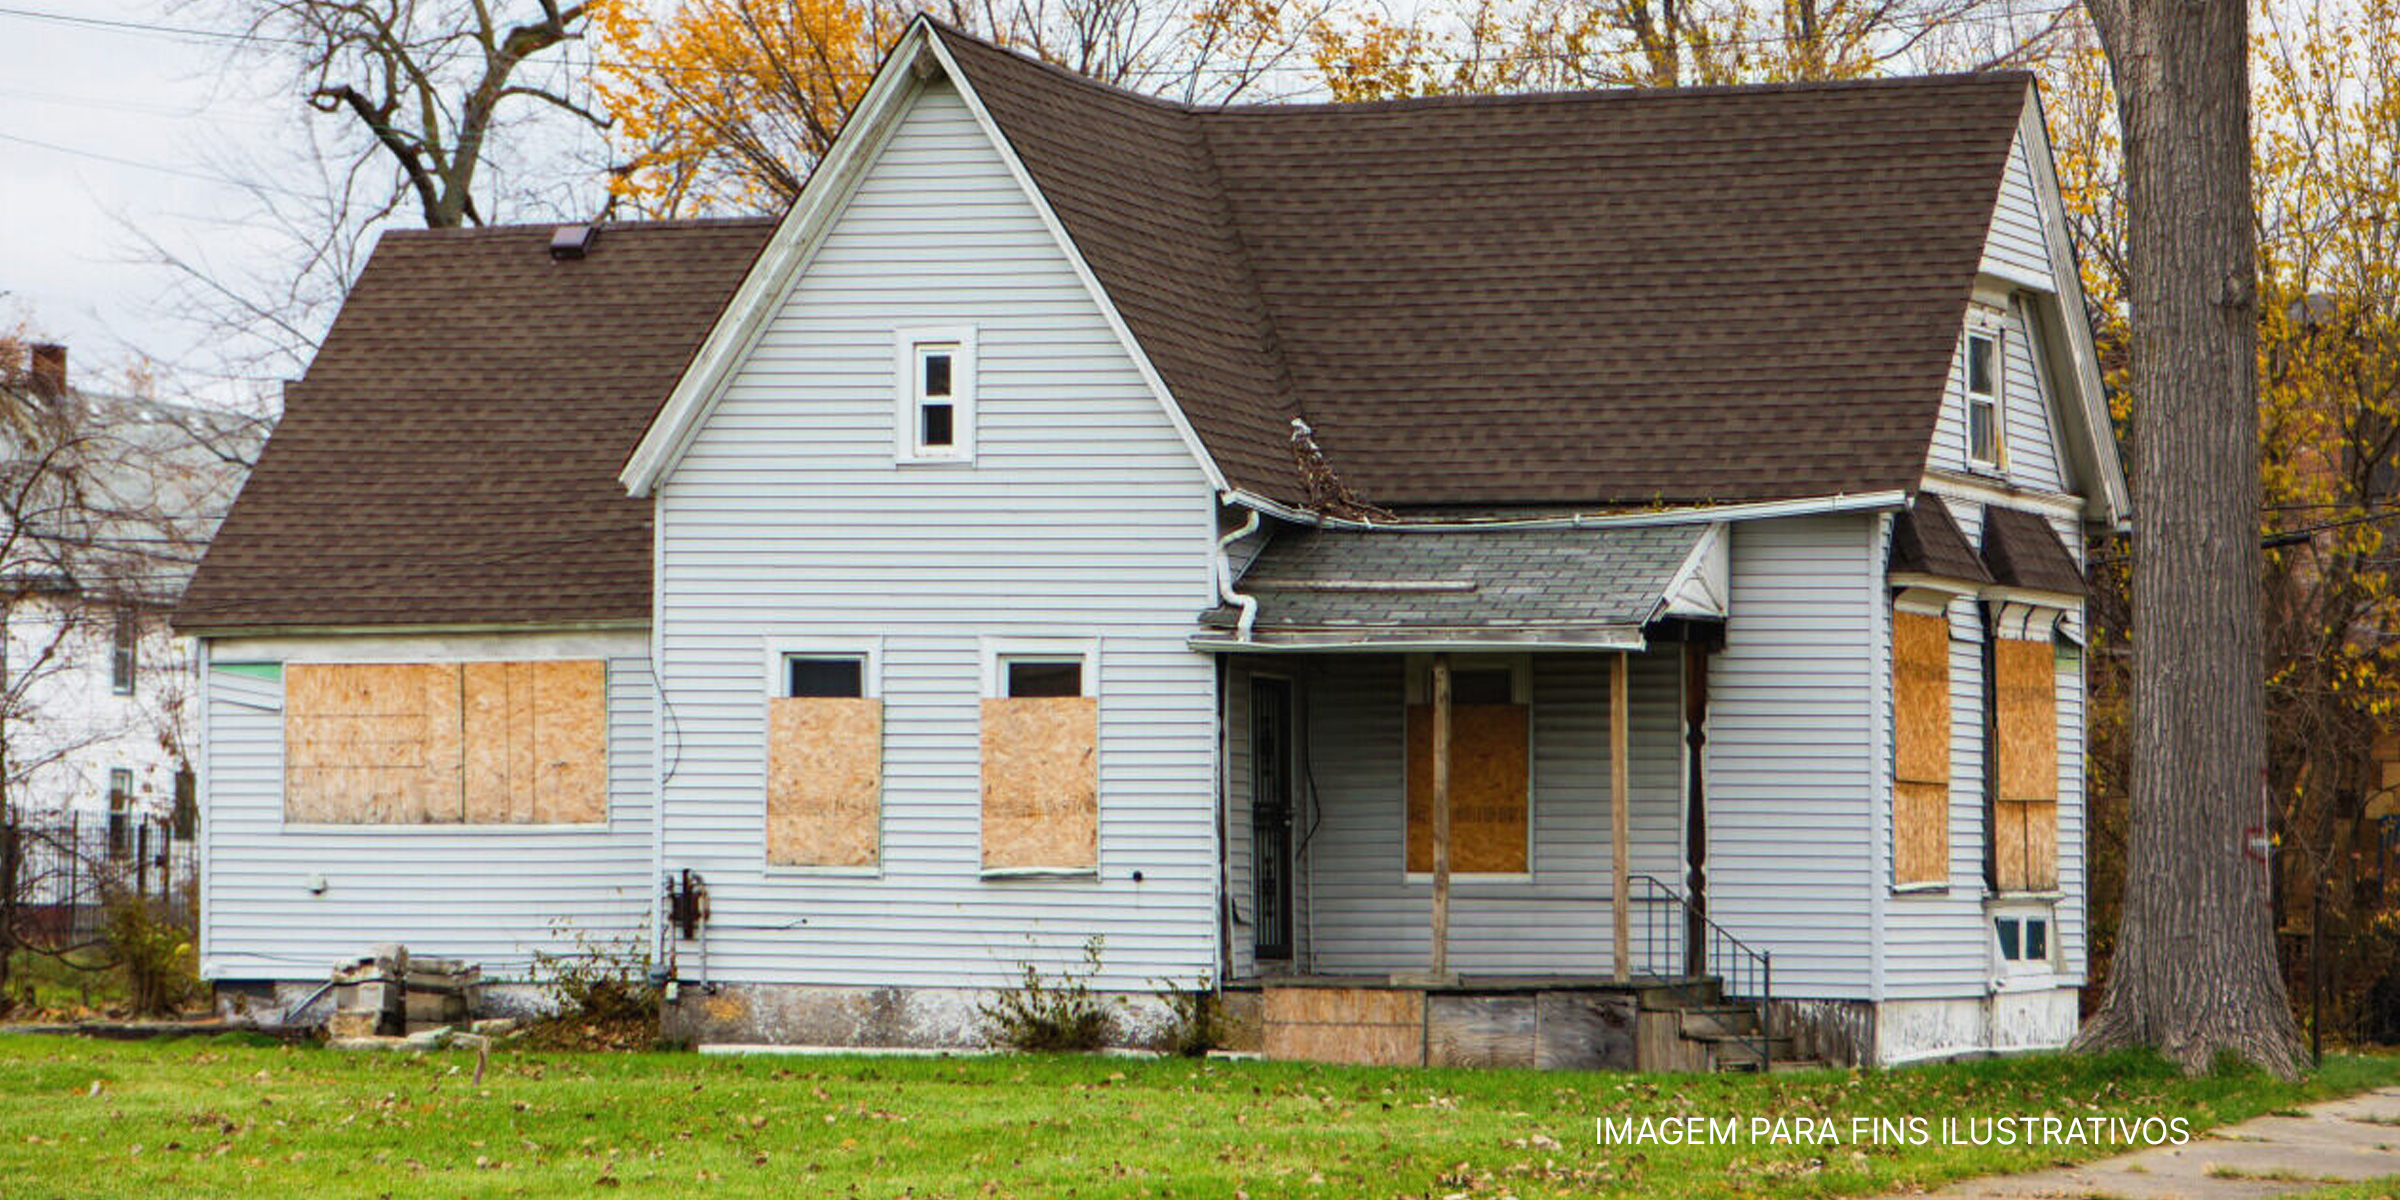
936 416
1983 396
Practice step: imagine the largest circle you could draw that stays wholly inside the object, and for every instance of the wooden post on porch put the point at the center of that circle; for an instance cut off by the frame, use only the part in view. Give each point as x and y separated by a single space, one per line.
1620 826
1439 968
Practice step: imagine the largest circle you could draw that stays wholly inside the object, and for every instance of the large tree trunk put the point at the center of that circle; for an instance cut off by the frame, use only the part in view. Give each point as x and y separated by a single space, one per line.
2194 972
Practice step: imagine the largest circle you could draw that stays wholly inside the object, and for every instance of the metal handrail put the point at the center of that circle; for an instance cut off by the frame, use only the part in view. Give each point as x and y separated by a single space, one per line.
1742 970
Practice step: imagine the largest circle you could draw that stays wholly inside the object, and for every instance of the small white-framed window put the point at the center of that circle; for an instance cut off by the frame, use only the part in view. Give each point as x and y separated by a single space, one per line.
1982 368
1016 668
935 421
2024 939
829 668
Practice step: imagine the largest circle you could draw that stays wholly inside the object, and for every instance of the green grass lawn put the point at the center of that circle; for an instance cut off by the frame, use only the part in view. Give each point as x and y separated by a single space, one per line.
221 1117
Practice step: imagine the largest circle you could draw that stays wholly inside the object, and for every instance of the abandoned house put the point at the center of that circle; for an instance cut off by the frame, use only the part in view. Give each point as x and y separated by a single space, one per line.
1580 579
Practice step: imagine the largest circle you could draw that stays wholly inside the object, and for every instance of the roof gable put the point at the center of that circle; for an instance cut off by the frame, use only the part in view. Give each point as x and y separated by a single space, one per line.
1697 296
1702 295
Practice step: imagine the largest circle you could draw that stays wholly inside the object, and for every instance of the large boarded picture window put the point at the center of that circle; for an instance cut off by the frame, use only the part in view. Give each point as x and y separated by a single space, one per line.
486 743
1041 770
1491 817
824 765
2025 802
1920 747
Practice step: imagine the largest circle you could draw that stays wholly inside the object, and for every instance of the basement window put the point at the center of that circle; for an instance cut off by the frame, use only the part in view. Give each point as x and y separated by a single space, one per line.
2024 939
1983 396
936 417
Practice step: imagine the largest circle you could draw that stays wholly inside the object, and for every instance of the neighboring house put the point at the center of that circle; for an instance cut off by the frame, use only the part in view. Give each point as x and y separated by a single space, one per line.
110 500
1061 526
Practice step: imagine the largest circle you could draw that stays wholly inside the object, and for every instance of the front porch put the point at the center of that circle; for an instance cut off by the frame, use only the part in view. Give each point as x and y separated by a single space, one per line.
1462 827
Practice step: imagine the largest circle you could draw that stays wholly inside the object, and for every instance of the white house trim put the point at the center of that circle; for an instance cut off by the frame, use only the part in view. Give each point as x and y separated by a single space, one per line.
795 243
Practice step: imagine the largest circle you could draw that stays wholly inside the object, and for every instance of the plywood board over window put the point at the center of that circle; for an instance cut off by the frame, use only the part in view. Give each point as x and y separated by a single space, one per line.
535 733
824 780
371 744
446 743
1041 783
1920 748
2025 805
1490 818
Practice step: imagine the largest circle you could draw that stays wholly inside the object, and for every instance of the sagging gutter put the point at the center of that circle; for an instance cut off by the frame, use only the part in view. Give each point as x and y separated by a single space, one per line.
1759 510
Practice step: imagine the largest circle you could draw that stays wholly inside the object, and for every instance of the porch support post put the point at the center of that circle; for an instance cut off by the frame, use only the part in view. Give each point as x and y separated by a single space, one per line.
1439 968
1620 826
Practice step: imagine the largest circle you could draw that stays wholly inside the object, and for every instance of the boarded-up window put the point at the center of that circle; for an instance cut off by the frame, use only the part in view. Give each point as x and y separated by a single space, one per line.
446 743
1490 817
372 744
1920 747
534 738
1041 783
824 766
2025 803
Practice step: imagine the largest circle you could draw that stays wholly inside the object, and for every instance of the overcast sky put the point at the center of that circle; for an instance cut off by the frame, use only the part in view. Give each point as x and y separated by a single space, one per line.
102 125
124 115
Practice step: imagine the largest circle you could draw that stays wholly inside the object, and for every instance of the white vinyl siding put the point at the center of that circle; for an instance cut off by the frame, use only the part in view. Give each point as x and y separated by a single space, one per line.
491 895
2016 248
1792 771
1939 944
2029 449
1367 919
1084 516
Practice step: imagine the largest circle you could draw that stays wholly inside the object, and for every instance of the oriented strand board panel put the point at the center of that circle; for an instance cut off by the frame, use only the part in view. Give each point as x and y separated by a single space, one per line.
1041 783
371 743
824 781
2025 845
2041 845
1921 696
1920 832
1490 818
2025 679
1374 1026
536 742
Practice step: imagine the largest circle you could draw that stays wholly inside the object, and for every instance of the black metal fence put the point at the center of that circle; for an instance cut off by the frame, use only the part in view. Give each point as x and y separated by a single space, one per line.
58 875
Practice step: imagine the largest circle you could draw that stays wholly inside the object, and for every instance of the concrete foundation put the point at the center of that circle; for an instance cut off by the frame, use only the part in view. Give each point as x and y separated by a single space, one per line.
866 1018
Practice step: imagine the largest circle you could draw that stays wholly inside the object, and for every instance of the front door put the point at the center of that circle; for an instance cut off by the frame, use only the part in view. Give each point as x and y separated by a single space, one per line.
1271 813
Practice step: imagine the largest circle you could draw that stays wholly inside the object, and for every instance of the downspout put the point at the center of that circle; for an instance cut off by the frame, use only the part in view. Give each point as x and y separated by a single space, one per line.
1247 604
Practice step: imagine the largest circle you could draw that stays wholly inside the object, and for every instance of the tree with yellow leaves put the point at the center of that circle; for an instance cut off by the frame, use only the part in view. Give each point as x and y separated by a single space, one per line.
727 105
1451 47
2327 396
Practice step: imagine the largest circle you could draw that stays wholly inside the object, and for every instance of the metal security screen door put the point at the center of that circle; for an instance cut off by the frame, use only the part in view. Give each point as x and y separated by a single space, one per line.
1271 813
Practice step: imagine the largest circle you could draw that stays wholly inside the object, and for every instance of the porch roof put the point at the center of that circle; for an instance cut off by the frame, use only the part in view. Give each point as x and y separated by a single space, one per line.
1472 589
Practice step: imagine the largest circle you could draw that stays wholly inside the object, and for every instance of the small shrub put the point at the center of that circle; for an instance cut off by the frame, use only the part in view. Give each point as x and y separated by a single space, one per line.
155 954
602 991
1060 1016
1195 1021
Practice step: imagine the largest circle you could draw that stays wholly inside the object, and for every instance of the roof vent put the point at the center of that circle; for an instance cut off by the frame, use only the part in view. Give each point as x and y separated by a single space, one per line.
572 241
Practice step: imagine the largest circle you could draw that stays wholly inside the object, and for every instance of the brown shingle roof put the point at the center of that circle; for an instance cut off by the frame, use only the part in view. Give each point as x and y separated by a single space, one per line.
451 456
1708 294
1926 540
2022 550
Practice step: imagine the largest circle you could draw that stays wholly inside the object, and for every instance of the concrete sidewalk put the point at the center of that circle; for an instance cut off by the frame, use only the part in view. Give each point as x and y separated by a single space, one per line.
2339 1141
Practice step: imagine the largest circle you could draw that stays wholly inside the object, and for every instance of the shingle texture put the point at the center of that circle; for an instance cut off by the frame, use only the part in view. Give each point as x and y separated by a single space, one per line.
1926 540
1387 582
1696 295
451 455
2021 550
